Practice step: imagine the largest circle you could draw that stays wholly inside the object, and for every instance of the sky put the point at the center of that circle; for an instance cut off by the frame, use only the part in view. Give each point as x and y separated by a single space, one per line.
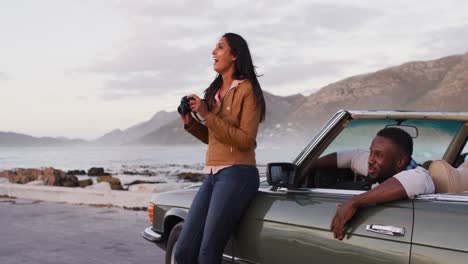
80 69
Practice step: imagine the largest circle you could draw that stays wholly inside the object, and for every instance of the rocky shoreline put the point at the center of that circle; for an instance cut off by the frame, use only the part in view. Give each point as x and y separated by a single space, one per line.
99 179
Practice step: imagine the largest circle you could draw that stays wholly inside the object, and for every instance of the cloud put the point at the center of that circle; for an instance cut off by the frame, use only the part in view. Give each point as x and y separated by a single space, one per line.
293 41
451 40
152 69
141 85
4 76
81 98
283 74
174 42
315 21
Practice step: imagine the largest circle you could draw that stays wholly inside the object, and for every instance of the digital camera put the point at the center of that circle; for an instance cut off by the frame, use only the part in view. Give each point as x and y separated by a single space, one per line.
184 107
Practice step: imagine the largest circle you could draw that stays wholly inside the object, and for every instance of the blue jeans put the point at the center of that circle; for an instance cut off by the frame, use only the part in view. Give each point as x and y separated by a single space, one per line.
215 213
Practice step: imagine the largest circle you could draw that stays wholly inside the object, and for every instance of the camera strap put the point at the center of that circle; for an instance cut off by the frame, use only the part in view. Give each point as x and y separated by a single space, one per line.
198 117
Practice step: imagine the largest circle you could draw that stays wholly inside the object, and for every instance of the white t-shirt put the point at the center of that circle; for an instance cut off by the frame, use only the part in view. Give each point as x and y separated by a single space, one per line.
415 181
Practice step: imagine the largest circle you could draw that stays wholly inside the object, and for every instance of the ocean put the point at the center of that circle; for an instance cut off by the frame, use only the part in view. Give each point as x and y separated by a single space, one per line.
129 163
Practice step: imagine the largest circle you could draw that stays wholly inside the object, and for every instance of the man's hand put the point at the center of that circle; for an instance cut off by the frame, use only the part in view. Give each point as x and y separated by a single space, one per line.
390 190
197 105
344 212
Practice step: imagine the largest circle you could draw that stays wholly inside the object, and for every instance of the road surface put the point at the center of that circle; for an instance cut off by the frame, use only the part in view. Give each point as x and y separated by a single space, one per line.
43 232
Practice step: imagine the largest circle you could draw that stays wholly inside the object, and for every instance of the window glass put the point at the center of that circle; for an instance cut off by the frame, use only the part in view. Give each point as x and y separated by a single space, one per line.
431 142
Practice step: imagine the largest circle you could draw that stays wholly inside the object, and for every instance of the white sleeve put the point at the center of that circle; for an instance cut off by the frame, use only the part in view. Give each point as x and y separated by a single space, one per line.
416 181
355 160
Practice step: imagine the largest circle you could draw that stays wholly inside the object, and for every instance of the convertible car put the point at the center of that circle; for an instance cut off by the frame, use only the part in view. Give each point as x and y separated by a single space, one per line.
289 222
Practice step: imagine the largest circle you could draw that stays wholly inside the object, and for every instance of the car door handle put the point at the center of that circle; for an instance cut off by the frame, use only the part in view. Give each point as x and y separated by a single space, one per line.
386 230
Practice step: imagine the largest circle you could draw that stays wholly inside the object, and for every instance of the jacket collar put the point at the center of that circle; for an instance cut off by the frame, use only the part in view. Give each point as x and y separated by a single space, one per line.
234 84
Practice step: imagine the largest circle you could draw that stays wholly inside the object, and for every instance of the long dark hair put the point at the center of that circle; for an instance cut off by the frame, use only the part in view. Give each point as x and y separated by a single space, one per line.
244 69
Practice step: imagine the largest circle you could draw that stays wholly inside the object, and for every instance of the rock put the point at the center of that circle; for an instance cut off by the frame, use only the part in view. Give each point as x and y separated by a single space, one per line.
22 176
49 176
52 177
97 172
4 174
84 183
141 182
76 172
156 188
36 183
143 173
191 176
102 186
70 181
59 178
114 182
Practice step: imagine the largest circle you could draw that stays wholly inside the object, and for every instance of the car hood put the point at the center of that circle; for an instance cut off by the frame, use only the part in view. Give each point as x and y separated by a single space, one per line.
180 198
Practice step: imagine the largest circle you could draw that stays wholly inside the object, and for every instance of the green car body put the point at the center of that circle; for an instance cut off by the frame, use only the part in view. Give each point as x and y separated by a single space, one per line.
291 224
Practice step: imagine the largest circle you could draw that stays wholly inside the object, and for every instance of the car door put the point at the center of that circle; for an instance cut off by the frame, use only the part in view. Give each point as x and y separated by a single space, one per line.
440 233
293 227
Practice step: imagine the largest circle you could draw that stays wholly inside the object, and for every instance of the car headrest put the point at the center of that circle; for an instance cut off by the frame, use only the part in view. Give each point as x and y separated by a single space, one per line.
447 179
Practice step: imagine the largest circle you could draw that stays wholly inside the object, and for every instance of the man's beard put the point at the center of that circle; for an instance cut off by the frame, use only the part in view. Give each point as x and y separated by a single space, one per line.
381 177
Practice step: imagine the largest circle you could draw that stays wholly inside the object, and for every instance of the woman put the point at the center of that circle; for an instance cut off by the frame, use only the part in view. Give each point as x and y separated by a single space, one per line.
237 106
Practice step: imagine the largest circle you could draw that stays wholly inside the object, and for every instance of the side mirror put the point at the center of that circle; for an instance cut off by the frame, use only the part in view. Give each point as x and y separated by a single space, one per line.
281 174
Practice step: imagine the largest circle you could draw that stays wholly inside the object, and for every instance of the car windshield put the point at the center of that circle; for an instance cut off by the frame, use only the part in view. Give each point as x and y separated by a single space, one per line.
430 143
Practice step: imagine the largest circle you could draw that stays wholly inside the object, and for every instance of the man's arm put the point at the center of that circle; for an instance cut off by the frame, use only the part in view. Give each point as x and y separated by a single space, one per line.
327 161
354 159
390 190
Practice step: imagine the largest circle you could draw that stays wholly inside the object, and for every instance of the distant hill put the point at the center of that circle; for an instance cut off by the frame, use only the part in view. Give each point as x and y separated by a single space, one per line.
10 139
133 133
437 85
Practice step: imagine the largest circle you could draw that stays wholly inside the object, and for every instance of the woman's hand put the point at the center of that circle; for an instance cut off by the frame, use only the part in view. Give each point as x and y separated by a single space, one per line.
187 119
197 105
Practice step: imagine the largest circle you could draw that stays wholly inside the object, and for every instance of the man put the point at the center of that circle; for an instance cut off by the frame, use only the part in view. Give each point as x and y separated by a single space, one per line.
389 164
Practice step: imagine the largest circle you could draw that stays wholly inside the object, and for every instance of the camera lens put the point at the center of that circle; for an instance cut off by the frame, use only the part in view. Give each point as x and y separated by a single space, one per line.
184 107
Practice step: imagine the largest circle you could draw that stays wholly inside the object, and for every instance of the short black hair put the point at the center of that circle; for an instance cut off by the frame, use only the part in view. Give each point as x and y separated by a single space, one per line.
400 138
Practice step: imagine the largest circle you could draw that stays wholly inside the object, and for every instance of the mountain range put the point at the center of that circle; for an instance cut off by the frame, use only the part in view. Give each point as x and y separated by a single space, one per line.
11 139
436 85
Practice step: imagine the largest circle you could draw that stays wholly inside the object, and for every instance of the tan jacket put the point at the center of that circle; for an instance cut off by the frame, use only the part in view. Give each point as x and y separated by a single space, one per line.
230 128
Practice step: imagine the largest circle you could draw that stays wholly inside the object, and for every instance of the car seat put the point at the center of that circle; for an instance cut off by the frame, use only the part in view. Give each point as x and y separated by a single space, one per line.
448 179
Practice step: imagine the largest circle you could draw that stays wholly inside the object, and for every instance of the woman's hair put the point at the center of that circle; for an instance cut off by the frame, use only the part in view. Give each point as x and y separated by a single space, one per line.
244 69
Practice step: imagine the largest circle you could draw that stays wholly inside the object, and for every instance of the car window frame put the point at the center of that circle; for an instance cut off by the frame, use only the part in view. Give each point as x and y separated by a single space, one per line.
445 197
456 146
340 121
